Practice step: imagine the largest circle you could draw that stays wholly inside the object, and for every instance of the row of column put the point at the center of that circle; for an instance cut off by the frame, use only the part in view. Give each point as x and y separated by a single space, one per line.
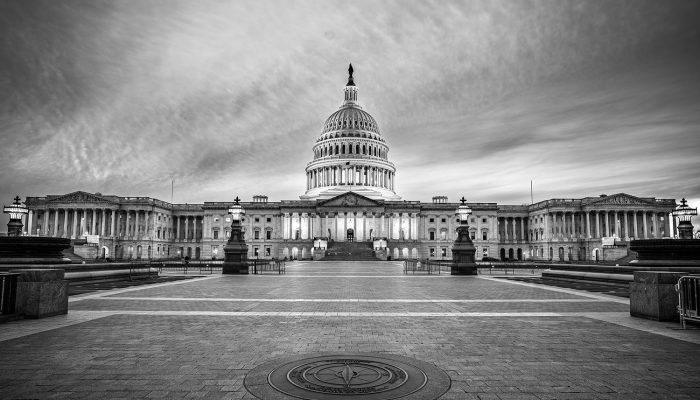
512 229
304 226
625 224
105 222
188 227
350 175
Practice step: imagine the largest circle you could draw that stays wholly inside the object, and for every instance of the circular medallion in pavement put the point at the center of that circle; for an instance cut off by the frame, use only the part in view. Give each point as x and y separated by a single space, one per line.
368 376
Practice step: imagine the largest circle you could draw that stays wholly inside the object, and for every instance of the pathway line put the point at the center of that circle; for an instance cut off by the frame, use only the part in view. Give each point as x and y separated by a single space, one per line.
215 299
603 297
104 293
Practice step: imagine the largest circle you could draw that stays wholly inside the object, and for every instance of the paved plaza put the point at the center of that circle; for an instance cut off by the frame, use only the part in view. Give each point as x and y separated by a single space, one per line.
495 338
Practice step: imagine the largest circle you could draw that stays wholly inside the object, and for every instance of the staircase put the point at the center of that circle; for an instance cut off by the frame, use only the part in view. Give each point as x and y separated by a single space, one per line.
350 251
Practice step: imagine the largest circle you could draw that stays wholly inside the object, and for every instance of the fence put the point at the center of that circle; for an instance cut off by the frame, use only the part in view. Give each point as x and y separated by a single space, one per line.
262 266
184 266
8 292
426 266
688 288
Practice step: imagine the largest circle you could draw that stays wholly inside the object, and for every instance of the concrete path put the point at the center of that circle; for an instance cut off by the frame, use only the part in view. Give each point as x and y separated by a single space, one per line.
497 339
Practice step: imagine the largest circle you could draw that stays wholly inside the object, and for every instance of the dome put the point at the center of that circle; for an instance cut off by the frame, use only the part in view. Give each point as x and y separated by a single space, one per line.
350 155
350 117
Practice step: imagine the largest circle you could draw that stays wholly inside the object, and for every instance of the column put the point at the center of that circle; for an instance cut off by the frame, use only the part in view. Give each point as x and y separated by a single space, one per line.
522 229
29 222
671 225
644 224
64 233
597 224
187 226
194 228
546 226
636 228
75 223
114 216
93 226
655 224
625 229
573 225
515 233
588 225
607 224
391 226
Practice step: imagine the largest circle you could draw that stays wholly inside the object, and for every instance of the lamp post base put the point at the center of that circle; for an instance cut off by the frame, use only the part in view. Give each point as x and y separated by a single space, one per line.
235 259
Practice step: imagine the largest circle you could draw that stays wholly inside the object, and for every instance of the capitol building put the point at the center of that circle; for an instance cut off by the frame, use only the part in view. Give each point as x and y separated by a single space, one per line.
350 197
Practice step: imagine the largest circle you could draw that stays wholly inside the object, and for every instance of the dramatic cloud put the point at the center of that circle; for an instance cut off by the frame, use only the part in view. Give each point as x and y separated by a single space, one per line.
226 98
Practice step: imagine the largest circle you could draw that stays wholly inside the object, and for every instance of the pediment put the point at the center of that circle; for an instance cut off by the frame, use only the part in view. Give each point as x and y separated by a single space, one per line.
349 199
79 197
619 199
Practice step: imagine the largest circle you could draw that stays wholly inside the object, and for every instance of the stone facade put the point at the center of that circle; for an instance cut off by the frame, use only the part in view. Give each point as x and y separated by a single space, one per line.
350 196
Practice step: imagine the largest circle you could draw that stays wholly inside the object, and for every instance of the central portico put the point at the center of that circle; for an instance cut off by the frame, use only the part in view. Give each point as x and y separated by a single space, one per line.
351 217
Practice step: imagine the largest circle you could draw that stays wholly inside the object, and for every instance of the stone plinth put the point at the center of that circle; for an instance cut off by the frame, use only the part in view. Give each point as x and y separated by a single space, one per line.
656 251
32 250
235 258
653 295
463 254
41 292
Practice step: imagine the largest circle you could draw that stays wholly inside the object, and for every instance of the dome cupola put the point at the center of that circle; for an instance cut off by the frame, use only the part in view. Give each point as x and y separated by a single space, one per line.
350 154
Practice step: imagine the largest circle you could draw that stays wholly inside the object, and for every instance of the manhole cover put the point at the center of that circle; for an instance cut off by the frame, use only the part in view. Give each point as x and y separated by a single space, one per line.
362 376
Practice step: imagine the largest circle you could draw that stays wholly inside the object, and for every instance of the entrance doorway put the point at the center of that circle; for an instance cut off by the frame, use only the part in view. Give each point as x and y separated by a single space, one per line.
351 235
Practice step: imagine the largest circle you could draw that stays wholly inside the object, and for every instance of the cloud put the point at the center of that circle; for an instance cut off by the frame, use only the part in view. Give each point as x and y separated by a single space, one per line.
228 97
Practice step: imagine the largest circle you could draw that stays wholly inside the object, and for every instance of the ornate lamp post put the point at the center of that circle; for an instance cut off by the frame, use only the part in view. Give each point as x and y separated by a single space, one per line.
684 214
463 250
236 251
16 210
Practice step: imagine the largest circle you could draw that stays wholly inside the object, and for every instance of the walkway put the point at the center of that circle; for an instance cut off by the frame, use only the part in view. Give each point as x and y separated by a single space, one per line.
497 339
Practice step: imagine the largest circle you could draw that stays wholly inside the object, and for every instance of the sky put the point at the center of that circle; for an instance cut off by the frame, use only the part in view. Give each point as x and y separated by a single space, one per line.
474 98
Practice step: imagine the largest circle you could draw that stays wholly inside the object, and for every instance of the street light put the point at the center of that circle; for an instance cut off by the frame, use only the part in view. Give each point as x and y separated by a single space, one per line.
236 211
684 214
463 250
16 210
236 250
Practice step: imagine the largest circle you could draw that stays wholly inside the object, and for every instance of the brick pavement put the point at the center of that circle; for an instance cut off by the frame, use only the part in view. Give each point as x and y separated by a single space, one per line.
496 339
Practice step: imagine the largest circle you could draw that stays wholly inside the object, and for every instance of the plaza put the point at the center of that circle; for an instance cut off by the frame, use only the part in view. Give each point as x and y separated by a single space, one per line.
495 338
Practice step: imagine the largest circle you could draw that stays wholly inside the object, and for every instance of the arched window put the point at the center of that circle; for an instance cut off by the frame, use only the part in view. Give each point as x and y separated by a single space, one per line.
350 149
357 148
364 149
343 148
336 149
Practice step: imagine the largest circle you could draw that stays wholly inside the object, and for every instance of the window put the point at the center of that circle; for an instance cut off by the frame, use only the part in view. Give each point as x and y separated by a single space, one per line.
484 235
268 235
483 220
473 220
268 251
432 235
256 251
256 234
472 235
444 220
216 234
268 219
257 219
443 235
444 252
432 219
432 252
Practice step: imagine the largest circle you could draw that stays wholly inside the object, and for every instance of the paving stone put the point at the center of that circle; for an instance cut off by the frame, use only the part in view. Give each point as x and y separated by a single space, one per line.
198 338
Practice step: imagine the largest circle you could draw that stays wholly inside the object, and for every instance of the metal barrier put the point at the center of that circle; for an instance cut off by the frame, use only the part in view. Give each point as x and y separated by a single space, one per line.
8 292
688 288
262 266
425 266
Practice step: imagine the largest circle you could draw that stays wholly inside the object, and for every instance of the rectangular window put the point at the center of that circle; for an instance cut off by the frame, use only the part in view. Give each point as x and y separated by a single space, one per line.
269 219
256 251
484 235
432 235
268 251
444 252
256 235
444 220
432 219
216 234
472 235
268 235
483 220
257 219
432 252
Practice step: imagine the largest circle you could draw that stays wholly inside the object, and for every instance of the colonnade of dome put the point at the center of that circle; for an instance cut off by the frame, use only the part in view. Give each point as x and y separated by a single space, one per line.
350 155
